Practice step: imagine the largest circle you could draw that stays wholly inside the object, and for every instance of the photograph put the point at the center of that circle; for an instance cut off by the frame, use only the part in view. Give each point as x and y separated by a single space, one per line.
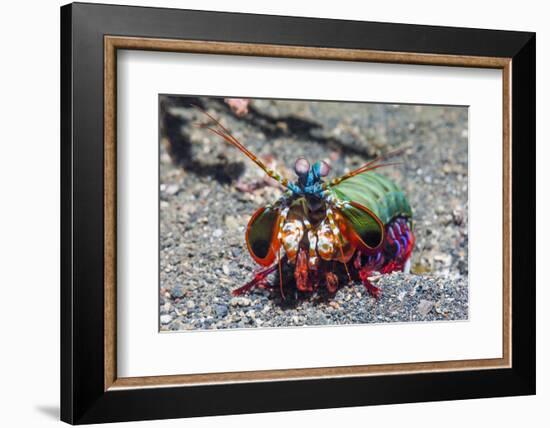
293 213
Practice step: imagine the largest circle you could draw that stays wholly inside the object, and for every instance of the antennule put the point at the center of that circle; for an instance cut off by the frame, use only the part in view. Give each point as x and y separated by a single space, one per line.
224 133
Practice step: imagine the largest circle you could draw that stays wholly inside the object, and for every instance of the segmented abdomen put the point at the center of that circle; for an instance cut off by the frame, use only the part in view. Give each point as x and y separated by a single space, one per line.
377 193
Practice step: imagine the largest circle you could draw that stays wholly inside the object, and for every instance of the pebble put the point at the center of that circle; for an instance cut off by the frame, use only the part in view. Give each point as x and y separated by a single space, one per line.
177 291
171 189
424 307
439 309
240 301
221 310
445 259
297 319
165 319
458 216
225 269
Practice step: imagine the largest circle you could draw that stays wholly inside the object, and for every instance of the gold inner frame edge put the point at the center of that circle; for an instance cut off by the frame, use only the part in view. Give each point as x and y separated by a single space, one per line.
113 43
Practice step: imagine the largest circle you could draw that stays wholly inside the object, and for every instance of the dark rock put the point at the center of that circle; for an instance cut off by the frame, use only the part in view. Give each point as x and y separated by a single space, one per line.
221 310
177 292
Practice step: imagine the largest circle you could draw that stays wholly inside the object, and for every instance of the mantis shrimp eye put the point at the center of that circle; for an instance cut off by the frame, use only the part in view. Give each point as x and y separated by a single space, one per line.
301 167
324 169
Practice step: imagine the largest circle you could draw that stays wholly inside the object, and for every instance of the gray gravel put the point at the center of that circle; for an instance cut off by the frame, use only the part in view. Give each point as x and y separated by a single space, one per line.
209 190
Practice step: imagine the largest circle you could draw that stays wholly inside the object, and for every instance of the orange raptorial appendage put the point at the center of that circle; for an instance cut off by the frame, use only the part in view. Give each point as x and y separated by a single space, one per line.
331 282
351 235
272 244
301 272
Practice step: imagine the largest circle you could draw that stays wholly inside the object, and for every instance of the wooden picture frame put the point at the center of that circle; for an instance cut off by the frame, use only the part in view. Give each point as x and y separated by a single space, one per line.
91 390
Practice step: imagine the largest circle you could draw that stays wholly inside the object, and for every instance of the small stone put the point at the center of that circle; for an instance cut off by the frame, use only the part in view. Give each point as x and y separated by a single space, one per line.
445 259
317 319
240 301
177 292
171 189
231 222
190 304
165 319
225 269
181 312
221 310
176 325
439 309
282 126
424 307
458 216
217 233
447 219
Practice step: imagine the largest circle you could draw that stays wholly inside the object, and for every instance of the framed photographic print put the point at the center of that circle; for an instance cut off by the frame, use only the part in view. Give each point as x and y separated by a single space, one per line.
265 213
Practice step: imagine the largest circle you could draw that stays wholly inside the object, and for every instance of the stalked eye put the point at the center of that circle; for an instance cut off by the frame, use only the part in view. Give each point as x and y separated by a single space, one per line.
301 167
324 169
